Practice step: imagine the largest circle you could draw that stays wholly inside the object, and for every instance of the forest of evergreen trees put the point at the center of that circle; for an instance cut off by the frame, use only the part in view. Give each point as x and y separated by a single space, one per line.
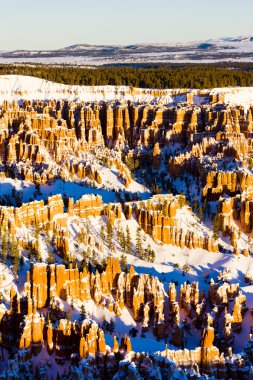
188 76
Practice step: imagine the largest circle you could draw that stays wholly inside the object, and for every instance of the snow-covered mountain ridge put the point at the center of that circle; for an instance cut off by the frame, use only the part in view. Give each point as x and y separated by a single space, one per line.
212 50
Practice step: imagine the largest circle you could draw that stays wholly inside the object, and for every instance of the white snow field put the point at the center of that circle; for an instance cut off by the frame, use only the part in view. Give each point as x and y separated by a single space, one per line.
17 87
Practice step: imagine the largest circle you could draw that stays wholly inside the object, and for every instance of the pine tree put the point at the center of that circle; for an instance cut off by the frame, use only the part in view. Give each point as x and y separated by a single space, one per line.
128 241
13 247
104 264
105 325
87 228
21 261
50 257
191 77
81 238
14 252
36 231
37 252
118 233
123 260
82 313
152 256
122 239
94 255
16 263
109 233
111 326
82 265
186 268
149 254
4 248
102 233
139 247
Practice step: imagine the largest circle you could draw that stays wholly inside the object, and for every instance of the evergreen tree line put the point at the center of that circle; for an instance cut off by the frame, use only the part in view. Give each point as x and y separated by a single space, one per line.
9 251
205 76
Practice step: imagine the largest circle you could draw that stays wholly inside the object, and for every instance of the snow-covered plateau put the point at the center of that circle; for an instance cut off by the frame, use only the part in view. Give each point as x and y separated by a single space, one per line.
17 87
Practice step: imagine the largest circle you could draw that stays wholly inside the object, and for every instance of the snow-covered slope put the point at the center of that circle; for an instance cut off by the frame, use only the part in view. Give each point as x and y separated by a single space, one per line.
16 87
237 95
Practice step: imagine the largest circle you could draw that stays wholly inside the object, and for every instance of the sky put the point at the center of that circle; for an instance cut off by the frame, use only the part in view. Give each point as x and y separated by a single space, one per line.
53 24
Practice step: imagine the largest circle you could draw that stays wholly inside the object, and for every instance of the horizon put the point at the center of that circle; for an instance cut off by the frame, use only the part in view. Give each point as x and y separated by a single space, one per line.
162 43
119 24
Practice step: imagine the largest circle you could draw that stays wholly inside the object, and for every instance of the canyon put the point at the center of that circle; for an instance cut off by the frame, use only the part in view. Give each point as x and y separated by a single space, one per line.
126 221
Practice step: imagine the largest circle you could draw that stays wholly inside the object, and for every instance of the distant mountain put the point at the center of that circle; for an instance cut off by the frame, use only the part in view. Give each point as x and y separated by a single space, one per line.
215 50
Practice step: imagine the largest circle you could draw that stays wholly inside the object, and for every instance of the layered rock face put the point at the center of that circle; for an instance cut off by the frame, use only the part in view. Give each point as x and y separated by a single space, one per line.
158 217
216 141
50 140
215 153
52 128
229 182
238 208
32 213
38 132
49 286
42 141
112 288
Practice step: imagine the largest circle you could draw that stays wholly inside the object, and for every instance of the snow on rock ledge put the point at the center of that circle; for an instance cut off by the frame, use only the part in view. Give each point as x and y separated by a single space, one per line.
242 96
16 87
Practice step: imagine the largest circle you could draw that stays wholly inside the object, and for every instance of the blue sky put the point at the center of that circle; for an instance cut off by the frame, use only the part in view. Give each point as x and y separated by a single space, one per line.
50 24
